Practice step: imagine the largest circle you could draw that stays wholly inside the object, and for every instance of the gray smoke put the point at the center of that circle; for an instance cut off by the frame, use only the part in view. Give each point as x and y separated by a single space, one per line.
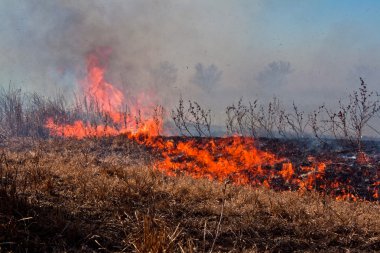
211 51
207 77
274 75
154 44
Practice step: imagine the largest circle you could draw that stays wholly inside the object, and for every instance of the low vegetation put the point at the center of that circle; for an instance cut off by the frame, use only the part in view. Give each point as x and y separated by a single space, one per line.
104 195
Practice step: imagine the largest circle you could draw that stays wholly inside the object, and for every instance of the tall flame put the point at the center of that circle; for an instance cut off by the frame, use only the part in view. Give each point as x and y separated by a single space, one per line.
108 96
108 101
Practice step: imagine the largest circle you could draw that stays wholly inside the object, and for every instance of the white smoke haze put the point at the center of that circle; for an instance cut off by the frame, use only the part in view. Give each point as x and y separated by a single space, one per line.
213 51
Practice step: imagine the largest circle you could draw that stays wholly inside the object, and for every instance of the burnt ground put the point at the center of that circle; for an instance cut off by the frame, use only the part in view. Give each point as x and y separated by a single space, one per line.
347 173
357 173
102 195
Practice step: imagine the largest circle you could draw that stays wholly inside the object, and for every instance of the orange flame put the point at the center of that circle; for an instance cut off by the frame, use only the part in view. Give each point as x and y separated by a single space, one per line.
108 101
109 97
235 159
232 158
287 171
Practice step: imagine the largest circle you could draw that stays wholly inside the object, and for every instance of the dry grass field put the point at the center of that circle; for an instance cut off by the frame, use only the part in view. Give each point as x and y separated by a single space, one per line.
189 126
103 195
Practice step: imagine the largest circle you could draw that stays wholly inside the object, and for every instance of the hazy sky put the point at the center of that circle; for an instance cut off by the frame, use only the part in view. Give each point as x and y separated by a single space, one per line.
214 51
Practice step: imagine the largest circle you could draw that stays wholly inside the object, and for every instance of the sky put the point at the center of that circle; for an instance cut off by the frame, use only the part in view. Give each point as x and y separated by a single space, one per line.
212 51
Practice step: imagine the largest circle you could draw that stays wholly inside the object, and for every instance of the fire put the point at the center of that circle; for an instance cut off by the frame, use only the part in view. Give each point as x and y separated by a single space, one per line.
235 159
287 171
106 102
80 130
109 97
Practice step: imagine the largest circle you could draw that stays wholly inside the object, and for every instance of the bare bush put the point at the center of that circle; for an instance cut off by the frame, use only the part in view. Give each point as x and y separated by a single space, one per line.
158 118
267 117
38 109
256 120
319 130
193 120
236 119
296 120
349 122
24 114
11 111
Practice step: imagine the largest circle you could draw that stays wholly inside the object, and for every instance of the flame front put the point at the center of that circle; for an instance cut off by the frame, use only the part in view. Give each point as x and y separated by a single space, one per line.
235 159
109 97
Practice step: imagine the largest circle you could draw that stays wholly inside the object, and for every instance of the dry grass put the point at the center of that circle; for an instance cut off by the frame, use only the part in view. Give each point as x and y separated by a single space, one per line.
103 195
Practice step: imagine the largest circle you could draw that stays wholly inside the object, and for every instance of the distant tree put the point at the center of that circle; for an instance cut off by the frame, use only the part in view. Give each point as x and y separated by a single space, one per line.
274 74
206 77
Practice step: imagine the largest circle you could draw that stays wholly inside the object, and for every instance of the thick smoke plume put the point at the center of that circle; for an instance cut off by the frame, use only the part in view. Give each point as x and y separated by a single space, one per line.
153 46
211 51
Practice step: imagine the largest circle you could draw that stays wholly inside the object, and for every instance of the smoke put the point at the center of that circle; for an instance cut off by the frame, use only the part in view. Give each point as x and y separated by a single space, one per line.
207 77
46 41
211 51
274 76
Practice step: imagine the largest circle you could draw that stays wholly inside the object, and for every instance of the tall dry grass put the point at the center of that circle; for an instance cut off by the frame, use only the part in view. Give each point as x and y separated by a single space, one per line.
103 195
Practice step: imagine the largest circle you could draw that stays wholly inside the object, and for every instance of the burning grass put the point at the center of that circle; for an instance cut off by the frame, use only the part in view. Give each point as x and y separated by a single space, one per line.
235 158
114 179
104 195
